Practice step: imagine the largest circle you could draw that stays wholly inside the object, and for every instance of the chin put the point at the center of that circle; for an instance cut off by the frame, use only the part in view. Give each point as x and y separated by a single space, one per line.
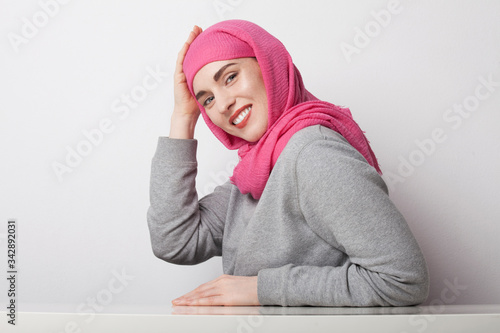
251 134
254 138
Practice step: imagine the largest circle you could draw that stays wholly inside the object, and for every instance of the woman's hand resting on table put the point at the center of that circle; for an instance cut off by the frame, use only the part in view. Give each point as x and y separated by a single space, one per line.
225 290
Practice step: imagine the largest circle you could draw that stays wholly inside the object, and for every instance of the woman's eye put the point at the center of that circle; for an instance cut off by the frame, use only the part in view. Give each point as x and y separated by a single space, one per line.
230 78
208 101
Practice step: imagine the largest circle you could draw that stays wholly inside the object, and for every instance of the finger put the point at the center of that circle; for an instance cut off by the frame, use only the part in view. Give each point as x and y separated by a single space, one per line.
180 57
206 301
197 30
210 288
182 53
194 298
204 290
201 299
192 35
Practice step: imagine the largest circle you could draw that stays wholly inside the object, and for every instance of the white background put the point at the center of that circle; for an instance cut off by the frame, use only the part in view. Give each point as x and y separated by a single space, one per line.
78 230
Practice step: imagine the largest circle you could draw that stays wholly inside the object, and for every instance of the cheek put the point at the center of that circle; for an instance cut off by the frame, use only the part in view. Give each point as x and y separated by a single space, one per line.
255 91
259 89
216 118
244 88
212 116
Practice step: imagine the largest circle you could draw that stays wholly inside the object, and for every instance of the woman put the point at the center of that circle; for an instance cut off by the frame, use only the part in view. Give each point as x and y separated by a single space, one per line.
305 219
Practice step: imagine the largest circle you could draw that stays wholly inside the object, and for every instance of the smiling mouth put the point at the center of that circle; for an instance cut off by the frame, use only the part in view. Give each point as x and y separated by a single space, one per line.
241 115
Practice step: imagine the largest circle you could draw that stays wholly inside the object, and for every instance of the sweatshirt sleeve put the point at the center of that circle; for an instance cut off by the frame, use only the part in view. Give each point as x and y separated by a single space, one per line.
183 230
345 202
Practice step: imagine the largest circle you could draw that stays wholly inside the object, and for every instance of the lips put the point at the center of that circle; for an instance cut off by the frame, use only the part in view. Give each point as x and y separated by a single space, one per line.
240 117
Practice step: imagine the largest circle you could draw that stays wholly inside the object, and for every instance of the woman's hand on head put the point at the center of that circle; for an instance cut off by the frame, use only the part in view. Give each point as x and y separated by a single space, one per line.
184 101
225 290
186 111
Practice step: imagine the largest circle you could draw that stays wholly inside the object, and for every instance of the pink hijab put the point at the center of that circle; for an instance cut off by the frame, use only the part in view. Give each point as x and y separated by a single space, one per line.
291 107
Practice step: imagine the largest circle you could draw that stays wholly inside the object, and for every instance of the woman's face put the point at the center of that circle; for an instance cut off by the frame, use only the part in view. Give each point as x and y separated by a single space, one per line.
234 96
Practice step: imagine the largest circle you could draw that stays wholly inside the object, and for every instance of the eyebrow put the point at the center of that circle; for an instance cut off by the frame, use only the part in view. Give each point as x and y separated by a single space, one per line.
217 76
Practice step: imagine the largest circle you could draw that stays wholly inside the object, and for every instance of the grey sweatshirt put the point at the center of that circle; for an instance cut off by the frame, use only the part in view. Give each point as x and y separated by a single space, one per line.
323 233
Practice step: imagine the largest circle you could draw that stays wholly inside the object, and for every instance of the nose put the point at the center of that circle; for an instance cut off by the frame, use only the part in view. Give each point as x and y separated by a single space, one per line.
225 102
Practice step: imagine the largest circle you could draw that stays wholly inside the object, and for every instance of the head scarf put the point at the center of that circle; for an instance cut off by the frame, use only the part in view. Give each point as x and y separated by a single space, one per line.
290 106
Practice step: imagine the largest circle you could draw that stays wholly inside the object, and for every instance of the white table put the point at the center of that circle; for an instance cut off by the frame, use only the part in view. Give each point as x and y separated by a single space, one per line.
446 318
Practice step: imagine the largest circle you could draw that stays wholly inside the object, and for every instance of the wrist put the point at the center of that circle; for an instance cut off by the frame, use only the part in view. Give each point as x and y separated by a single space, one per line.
182 126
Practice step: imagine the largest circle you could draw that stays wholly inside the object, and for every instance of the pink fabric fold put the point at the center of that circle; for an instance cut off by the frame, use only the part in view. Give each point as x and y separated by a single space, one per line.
290 106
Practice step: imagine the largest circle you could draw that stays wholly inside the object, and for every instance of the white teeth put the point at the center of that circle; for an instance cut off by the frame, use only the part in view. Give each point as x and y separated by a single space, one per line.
242 116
